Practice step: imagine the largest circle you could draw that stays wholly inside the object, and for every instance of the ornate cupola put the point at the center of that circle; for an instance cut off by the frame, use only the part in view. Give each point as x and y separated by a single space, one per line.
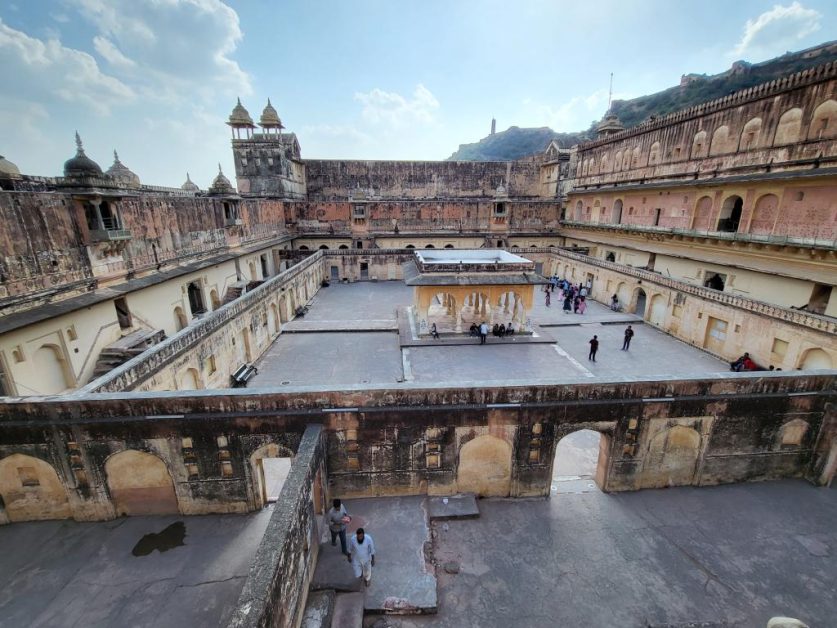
221 185
610 125
190 186
123 175
240 121
81 165
270 121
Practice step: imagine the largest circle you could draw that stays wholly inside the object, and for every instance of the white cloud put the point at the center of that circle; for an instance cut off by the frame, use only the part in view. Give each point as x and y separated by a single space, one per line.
776 31
111 53
46 71
173 49
395 110
572 115
335 131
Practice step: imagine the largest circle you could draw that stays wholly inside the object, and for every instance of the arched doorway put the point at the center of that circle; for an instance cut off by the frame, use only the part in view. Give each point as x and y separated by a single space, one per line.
31 489
616 217
657 313
443 312
273 323
429 246
190 380
730 215
610 256
764 214
476 309
195 295
579 209
52 369
580 462
485 467
323 247
623 291
270 465
672 458
449 246
343 246
140 484
703 214
815 359
180 321
639 310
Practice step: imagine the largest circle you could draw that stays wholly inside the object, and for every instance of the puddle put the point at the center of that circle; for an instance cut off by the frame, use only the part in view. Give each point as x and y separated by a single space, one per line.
172 536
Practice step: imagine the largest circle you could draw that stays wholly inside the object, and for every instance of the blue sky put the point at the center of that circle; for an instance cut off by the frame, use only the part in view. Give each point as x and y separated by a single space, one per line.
366 79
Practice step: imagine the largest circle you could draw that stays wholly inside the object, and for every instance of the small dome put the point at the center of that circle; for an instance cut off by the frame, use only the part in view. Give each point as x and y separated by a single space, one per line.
122 174
190 186
8 170
240 116
501 190
269 117
611 124
81 165
221 185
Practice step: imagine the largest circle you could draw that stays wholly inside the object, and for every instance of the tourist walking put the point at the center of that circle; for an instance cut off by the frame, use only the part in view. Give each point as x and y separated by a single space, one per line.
483 332
582 305
629 333
568 302
547 298
362 555
594 346
337 518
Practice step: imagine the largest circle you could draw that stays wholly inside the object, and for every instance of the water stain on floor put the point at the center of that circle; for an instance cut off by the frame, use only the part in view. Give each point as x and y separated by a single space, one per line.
172 536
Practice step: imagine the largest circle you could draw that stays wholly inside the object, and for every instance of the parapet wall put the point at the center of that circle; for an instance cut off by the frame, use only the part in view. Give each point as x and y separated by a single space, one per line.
411 439
337 180
276 588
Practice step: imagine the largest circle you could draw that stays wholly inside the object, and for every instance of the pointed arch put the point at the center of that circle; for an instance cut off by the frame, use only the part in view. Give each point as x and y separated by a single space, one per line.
720 141
750 135
484 467
789 127
824 121
139 483
31 489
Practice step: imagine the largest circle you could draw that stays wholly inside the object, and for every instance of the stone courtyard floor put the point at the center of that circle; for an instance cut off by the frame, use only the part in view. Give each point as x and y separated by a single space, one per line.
710 556
65 573
349 337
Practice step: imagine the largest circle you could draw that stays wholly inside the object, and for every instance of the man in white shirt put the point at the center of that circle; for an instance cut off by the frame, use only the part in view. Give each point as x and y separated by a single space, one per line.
362 555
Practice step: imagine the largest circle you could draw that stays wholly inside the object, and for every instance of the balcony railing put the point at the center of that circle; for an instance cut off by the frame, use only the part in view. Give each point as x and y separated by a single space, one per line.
819 239
109 235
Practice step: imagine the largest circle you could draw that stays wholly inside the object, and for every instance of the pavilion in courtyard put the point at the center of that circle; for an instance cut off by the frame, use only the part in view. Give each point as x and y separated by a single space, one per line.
455 288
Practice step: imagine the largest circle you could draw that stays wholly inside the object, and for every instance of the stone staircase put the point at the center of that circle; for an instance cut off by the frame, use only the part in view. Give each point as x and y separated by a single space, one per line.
233 292
127 347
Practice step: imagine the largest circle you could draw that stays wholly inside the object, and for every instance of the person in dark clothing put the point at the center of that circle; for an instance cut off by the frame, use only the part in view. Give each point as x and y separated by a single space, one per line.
434 332
568 302
629 333
502 331
495 331
474 330
594 346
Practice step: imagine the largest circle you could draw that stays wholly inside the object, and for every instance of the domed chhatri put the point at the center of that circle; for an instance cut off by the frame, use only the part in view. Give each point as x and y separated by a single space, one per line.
221 185
270 119
190 186
122 174
81 165
8 170
240 120
610 125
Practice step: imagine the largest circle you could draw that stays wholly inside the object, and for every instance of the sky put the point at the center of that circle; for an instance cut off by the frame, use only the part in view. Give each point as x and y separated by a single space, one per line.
362 79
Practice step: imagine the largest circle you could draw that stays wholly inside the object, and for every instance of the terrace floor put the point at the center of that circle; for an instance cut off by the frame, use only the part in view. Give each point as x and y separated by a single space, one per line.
350 337
65 573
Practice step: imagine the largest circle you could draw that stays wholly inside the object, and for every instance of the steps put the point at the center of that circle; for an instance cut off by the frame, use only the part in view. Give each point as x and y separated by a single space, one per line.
319 610
126 348
232 293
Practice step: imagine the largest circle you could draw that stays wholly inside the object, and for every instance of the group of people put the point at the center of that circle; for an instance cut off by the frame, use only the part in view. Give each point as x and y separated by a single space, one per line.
594 343
360 549
574 297
498 331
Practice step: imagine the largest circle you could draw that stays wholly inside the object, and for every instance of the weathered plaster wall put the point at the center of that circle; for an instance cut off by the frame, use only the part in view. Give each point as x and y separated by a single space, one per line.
413 440
335 180
781 123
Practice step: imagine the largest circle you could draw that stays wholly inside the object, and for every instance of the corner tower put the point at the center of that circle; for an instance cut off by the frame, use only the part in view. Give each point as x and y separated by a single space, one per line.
267 163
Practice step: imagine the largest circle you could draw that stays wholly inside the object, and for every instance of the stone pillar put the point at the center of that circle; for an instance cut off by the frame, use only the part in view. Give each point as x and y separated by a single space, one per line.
458 315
